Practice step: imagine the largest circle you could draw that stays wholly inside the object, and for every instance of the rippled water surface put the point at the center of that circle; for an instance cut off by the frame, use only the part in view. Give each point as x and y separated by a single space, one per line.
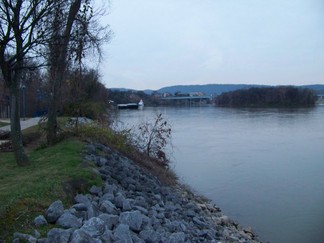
263 167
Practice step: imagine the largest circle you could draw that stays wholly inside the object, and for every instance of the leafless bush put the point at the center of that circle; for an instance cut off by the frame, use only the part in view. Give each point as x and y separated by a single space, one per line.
154 137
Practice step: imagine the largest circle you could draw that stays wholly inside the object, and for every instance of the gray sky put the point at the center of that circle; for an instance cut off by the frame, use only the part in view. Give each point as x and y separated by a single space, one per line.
160 43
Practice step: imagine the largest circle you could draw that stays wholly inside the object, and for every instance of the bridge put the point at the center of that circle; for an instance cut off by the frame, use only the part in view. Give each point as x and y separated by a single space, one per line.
188 100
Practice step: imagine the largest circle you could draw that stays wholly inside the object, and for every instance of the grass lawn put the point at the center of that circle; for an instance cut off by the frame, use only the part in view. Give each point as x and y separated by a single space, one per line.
26 192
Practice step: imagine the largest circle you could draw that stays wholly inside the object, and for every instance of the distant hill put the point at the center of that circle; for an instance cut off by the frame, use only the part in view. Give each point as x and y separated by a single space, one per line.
120 89
318 88
210 89
146 91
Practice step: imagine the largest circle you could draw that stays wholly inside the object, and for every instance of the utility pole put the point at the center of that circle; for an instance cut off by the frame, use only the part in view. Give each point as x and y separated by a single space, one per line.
23 88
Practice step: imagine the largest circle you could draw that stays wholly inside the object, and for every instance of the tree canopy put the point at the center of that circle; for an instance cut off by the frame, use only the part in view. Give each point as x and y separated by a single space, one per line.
52 33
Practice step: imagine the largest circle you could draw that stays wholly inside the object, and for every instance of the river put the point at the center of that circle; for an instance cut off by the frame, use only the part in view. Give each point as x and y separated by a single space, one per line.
262 167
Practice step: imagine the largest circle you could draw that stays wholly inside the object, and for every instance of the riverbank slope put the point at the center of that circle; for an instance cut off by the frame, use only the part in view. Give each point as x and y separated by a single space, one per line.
134 206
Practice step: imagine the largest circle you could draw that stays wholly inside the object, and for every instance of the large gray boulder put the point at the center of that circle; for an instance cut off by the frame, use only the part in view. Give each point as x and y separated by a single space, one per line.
119 200
80 236
176 226
58 235
141 209
108 207
40 220
68 220
107 236
54 211
82 199
133 219
80 207
122 202
140 201
150 236
24 237
123 234
110 220
110 188
199 222
95 190
101 161
177 238
94 227
107 196
127 205
92 211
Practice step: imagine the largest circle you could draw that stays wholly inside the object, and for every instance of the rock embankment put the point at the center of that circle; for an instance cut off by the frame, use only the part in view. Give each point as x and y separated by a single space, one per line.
133 206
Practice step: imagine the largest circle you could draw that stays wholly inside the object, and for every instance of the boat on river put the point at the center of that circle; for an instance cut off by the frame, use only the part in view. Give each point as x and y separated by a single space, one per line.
132 106
141 104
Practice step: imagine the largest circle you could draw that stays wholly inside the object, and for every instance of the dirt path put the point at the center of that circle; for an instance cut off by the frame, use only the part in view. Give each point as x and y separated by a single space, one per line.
23 123
29 122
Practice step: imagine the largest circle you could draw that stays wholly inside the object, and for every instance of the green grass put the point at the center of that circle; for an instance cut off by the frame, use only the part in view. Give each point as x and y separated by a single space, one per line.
26 192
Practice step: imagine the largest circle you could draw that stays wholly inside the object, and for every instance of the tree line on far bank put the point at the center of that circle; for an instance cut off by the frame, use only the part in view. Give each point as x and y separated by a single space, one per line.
282 96
134 96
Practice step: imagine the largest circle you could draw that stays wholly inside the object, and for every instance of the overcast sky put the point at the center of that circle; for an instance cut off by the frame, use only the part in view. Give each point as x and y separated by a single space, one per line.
159 43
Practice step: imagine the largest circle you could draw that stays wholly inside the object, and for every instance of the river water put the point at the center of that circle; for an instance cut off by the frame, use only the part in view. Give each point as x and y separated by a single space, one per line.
262 167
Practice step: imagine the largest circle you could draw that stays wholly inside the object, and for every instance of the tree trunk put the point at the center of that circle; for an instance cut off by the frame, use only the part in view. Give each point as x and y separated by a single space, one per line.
52 126
57 71
16 134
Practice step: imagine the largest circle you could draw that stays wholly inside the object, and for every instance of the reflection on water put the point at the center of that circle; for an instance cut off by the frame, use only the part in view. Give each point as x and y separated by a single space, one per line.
263 167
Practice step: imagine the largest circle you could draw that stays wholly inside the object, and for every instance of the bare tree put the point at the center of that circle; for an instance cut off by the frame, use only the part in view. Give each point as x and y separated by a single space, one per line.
21 35
61 32
73 31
